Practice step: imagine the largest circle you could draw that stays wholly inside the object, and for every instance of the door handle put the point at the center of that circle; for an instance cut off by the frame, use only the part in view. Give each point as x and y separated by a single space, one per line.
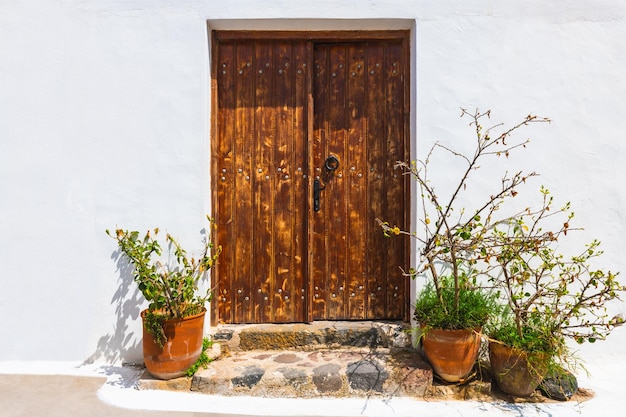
330 166
317 190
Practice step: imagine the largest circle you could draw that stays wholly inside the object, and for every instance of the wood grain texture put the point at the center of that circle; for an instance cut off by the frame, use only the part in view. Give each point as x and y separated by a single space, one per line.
284 105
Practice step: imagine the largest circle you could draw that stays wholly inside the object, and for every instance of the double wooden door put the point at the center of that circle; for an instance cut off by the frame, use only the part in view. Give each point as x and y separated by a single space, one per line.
306 136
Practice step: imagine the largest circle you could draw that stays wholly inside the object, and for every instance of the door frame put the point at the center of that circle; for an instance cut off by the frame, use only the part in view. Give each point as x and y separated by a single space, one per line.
312 36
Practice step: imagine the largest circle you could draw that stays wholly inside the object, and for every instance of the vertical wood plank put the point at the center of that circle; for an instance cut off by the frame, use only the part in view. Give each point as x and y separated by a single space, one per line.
396 203
244 154
335 195
223 178
356 170
317 226
376 143
263 279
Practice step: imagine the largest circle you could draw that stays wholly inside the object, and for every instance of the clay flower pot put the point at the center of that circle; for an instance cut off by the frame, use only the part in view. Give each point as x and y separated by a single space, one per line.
181 350
452 353
515 371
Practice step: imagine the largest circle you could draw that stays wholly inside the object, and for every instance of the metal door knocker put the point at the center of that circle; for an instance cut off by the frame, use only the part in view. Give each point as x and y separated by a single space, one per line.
330 165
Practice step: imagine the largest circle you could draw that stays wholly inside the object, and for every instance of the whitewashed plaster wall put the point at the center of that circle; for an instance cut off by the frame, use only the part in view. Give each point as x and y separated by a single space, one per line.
104 121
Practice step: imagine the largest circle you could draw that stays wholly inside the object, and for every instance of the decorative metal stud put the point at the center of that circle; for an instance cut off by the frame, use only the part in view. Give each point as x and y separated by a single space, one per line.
247 298
238 291
280 290
260 170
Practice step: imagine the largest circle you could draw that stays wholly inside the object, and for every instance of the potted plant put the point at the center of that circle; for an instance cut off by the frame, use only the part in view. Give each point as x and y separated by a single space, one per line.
453 240
551 298
173 323
451 329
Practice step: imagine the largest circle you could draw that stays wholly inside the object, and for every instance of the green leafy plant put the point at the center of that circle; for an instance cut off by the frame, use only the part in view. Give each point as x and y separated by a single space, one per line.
454 238
203 360
168 280
474 308
550 296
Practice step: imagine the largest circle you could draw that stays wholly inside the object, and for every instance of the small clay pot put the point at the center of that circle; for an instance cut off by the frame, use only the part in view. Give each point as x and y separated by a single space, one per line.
452 353
182 349
515 371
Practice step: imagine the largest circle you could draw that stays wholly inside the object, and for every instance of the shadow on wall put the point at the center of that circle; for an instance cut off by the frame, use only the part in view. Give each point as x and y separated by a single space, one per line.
123 345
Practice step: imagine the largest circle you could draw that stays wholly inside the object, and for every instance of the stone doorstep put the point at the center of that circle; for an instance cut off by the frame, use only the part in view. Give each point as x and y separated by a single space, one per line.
336 373
326 359
317 335
309 374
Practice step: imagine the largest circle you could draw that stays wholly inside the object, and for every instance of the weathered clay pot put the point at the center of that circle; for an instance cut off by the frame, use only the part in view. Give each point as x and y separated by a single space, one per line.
182 349
452 353
514 371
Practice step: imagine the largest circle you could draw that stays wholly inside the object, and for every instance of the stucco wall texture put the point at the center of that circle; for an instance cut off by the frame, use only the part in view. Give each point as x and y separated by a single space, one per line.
105 121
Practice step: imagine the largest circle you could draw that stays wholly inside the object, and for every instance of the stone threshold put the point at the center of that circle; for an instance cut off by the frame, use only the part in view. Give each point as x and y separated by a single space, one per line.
328 359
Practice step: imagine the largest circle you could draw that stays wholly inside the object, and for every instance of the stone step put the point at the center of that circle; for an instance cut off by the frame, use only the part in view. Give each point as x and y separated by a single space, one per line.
323 359
306 374
318 335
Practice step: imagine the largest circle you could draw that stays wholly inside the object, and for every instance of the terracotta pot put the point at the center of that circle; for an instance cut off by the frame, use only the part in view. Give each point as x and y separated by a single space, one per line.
514 371
182 349
452 353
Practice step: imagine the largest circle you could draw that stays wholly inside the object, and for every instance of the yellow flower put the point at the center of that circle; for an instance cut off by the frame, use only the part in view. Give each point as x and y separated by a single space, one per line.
396 230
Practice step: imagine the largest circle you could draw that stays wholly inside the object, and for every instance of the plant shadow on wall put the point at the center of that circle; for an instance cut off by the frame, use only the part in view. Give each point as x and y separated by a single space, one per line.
169 280
122 345
493 271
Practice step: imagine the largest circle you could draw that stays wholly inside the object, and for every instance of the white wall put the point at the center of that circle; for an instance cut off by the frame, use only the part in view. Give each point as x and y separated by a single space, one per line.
104 116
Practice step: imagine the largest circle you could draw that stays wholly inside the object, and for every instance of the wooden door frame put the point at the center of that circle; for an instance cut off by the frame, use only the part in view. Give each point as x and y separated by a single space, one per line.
312 37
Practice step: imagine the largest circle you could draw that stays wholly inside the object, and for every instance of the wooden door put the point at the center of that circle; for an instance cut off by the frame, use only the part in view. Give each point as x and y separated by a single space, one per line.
282 107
